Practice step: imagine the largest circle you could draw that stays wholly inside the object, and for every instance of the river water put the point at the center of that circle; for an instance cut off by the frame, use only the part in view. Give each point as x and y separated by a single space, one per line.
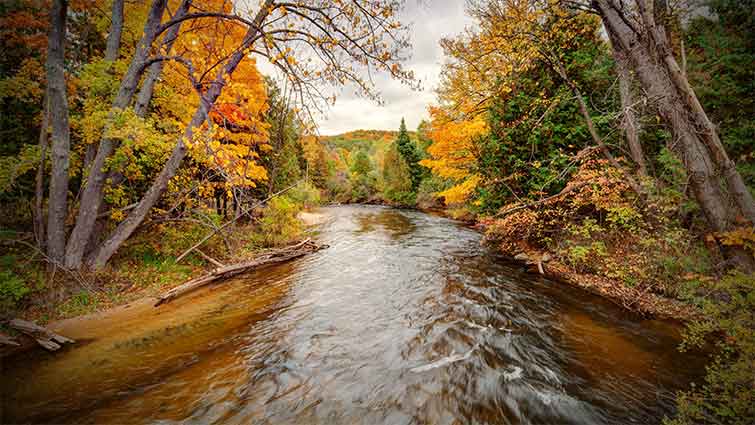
404 319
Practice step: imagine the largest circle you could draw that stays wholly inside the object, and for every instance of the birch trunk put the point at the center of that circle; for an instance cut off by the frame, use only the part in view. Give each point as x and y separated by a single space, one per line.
207 100
58 116
629 121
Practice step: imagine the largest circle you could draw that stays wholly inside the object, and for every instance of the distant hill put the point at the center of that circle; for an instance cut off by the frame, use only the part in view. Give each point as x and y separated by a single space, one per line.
372 140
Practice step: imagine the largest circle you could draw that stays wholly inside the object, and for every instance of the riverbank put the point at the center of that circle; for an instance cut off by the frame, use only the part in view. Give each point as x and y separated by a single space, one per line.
634 299
146 269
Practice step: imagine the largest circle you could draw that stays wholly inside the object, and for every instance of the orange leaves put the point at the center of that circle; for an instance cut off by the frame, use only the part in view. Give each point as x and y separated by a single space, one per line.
451 154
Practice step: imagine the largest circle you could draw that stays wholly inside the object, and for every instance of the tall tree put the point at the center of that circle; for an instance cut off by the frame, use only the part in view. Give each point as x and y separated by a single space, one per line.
409 153
397 181
340 35
58 117
92 194
116 29
638 33
629 121
155 70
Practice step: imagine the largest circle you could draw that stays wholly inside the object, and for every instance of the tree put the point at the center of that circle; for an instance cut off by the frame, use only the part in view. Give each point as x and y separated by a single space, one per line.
451 152
58 117
397 181
409 153
361 178
637 31
285 162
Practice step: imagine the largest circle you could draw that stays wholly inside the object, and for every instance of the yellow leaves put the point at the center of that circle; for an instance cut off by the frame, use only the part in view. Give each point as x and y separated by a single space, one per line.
460 192
743 236
451 148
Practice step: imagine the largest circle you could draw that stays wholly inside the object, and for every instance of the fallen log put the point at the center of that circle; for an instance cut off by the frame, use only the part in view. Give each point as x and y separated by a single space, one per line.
44 337
270 257
6 340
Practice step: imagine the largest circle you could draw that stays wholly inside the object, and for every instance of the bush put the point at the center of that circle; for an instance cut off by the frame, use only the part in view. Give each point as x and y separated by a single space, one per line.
727 396
279 224
305 194
12 290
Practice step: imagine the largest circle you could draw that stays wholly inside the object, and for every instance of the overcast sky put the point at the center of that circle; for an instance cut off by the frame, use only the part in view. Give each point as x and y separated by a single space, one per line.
429 21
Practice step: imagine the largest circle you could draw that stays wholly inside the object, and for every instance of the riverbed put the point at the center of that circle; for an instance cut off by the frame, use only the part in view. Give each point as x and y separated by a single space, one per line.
404 319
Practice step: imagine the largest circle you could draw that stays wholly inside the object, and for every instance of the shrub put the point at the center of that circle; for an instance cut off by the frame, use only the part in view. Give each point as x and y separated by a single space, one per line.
305 194
727 395
279 224
12 290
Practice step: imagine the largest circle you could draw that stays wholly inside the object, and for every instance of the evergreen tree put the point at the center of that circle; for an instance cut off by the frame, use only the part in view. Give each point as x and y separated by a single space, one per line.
396 178
362 180
410 154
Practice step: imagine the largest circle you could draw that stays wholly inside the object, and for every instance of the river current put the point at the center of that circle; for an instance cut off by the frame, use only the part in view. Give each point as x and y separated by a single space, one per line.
404 319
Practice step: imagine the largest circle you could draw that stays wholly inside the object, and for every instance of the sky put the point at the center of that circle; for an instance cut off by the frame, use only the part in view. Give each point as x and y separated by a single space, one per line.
429 21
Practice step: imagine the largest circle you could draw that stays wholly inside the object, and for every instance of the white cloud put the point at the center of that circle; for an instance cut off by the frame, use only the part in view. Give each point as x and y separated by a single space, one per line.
429 21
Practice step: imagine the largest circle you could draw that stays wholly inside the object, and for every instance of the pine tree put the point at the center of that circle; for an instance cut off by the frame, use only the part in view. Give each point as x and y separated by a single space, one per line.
408 151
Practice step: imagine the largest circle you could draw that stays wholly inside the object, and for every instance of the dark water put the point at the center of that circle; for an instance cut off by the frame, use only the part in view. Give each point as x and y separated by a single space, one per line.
403 320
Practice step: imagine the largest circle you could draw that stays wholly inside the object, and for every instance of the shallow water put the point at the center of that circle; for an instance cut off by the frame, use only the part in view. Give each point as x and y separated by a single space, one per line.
405 319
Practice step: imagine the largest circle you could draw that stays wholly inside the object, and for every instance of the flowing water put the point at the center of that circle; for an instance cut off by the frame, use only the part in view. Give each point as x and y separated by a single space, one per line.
404 319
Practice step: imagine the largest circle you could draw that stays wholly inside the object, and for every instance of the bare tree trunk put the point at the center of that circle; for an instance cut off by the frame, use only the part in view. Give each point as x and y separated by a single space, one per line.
116 28
92 194
58 116
207 100
39 189
712 174
156 69
629 121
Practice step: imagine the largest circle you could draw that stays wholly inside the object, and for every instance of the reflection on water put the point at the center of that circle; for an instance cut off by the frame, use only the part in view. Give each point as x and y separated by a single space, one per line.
404 319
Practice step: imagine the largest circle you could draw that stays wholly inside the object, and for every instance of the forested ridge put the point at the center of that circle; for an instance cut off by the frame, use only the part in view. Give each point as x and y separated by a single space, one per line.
607 144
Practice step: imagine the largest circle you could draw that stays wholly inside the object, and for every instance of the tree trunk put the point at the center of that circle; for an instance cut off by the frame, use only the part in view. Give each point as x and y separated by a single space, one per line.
695 141
629 120
92 194
58 116
98 258
111 55
39 189
156 69
707 131
116 28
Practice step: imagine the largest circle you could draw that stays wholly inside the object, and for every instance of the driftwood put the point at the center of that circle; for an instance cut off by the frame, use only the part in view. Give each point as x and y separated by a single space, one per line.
270 257
233 220
6 340
536 259
44 337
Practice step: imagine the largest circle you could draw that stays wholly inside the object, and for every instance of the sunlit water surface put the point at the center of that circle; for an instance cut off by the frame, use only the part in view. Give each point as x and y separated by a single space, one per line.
404 319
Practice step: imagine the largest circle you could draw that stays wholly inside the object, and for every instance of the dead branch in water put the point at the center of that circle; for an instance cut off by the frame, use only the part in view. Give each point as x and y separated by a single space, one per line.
44 337
270 257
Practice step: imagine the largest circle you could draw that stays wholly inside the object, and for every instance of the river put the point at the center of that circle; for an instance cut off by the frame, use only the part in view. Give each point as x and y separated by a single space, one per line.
404 319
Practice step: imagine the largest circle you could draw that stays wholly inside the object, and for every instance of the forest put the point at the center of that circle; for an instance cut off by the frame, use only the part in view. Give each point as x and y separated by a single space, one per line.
604 144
